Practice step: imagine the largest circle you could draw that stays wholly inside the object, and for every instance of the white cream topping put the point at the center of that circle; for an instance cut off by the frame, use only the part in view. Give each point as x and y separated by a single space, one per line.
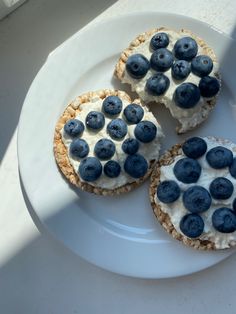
176 210
149 151
186 117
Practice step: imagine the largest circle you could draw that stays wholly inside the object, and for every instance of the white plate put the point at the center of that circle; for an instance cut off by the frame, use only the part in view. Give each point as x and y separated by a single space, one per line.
119 234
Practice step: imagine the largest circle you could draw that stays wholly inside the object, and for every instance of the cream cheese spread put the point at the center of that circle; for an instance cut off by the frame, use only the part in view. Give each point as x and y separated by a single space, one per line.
176 210
150 151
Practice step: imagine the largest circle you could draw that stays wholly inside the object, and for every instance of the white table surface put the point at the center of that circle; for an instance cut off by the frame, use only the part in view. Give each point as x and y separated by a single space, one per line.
38 274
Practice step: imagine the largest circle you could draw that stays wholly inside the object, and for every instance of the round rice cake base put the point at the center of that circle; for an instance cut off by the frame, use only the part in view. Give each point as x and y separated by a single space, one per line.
140 39
164 218
60 150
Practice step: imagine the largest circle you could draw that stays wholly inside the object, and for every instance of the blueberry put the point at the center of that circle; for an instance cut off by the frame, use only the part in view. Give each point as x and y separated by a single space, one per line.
194 147
221 188
104 149
136 166
209 86
95 120
159 40
79 148
219 157
168 191
180 69
224 220
187 170
186 95
232 168
137 66
185 48
130 146
90 169
202 65
192 225
133 113
197 199
112 169
157 84
145 131
112 105
234 204
74 127
161 60
117 128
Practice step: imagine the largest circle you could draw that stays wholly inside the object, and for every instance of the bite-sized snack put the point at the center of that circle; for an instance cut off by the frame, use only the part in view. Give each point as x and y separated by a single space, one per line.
187 170
117 129
79 148
174 68
130 146
180 69
145 131
219 157
133 113
106 144
193 193
202 65
95 120
157 84
161 60
137 66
